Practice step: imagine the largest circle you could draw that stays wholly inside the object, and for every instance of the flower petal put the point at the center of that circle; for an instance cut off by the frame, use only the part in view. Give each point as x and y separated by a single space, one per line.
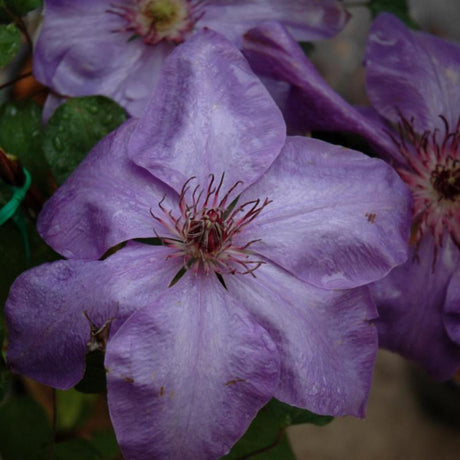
106 201
310 103
87 28
338 219
135 90
210 114
445 57
412 301
52 102
325 340
306 19
45 312
187 375
97 55
452 308
412 74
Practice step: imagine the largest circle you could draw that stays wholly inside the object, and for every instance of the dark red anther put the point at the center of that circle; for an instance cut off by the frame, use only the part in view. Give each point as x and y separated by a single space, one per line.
203 232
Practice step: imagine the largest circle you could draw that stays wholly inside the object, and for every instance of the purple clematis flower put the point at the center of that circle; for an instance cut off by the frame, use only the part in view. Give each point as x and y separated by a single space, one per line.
249 296
117 47
413 82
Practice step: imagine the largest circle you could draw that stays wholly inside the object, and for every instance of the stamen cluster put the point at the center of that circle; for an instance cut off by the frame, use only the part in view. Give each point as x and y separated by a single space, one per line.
159 20
203 234
433 175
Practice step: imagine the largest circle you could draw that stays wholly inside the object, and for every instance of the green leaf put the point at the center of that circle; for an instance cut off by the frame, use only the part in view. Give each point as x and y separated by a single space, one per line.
76 449
10 40
106 443
397 7
20 127
94 380
75 128
2 338
259 444
13 254
290 415
5 380
13 257
5 18
266 435
21 135
25 432
20 7
73 408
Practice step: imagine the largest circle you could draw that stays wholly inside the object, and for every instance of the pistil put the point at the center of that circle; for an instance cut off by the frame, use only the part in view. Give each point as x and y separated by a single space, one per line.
203 233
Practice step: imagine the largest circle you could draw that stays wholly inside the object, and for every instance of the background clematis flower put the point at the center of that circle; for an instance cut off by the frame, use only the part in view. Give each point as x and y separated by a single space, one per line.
116 47
258 288
413 83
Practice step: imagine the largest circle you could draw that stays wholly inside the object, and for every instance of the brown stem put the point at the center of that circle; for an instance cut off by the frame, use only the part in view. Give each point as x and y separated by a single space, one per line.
15 80
23 28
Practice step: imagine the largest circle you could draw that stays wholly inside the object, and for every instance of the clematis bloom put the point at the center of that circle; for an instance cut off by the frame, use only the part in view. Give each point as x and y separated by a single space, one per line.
413 83
116 47
258 287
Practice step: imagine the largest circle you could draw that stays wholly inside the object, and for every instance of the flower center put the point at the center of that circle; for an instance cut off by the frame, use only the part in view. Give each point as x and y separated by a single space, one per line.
446 181
159 20
204 232
433 175
208 233
162 13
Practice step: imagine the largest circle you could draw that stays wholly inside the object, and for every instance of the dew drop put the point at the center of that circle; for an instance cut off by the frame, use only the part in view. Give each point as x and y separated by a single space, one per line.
57 143
108 119
93 109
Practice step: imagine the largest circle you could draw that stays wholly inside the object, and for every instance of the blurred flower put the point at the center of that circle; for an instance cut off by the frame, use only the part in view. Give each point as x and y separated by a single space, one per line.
413 82
117 47
244 293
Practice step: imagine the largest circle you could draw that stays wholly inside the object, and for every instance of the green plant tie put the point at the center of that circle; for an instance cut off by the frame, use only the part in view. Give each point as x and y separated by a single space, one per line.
11 210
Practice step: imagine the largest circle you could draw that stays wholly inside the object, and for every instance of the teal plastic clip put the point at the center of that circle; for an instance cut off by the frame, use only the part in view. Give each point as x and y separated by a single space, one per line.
11 210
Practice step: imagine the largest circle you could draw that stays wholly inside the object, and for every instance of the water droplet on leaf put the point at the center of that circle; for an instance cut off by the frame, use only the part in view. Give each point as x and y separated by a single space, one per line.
57 143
